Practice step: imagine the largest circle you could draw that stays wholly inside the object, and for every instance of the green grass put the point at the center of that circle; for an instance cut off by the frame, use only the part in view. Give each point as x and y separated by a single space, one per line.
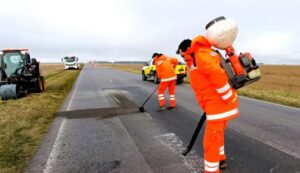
275 96
25 121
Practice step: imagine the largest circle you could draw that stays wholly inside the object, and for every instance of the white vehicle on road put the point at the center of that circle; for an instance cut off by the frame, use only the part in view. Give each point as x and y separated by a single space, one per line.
71 62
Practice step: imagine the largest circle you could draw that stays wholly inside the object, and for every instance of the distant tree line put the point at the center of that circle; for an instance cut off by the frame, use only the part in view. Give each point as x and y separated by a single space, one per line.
103 62
121 62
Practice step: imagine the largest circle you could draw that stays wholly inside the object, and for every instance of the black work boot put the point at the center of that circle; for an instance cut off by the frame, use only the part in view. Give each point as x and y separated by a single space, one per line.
223 164
161 108
171 108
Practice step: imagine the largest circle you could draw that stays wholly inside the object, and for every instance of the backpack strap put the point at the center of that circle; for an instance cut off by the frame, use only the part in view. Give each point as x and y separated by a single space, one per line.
194 60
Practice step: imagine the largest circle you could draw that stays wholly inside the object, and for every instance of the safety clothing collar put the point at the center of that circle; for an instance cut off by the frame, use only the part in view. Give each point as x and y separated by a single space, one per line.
198 42
161 57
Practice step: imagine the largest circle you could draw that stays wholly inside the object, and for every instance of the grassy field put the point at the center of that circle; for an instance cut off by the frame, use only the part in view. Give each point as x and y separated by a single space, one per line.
279 83
24 122
133 68
48 69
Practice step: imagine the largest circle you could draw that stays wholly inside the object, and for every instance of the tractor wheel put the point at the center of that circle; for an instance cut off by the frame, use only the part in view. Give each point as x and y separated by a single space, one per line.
21 91
44 83
144 77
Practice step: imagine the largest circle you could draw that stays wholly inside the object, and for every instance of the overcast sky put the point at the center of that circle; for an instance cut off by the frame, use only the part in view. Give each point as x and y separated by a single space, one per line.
134 29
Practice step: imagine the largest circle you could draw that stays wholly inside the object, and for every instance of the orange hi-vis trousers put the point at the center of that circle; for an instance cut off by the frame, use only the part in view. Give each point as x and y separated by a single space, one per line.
213 145
161 90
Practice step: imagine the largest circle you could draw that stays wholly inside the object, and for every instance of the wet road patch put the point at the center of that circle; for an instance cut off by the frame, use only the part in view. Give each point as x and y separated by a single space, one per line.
117 97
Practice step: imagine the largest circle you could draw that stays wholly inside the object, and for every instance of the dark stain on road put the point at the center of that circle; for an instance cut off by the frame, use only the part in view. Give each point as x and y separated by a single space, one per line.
125 107
103 167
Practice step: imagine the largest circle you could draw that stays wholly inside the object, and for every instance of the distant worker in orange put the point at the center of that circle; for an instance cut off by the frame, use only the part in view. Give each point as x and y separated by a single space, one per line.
215 95
93 64
165 72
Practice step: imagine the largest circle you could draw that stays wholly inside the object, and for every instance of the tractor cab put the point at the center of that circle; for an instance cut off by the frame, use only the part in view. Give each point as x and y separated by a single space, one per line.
12 61
19 74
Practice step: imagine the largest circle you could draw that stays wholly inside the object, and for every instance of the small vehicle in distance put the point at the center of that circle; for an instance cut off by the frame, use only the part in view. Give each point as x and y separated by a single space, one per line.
70 62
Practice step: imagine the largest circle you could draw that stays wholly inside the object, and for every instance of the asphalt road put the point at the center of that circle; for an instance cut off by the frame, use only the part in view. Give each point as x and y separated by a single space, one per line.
99 129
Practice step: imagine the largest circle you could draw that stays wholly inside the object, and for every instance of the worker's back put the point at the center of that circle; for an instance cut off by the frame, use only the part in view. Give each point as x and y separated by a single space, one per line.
165 67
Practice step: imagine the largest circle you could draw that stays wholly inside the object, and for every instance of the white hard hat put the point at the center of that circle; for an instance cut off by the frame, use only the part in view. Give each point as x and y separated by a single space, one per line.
221 32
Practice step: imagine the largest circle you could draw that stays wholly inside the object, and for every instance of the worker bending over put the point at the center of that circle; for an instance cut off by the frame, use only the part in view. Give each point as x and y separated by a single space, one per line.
165 72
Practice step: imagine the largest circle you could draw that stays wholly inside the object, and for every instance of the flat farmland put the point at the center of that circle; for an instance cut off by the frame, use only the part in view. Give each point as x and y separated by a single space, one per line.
133 68
279 83
48 69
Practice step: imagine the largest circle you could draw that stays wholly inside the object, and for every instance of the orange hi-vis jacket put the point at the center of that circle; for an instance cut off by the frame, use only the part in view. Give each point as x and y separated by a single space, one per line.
210 82
165 68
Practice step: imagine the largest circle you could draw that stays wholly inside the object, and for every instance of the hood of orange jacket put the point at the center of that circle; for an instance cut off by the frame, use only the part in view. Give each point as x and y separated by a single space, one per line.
199 42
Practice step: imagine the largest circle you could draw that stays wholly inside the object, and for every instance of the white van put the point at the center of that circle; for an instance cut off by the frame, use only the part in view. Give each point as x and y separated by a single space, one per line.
71 62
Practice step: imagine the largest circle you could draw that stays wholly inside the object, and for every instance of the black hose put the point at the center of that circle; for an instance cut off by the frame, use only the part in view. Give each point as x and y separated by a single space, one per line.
195 135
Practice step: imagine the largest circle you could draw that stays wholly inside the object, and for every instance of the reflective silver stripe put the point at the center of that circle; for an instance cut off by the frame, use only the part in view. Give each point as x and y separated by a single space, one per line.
227 96
223 89
159 62
222 115
162 98
169 79
209 169
192 68
213 53
172 98
211 164
160 95
222 152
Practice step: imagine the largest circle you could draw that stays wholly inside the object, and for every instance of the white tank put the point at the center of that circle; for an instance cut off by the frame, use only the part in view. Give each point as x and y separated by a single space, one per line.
221 32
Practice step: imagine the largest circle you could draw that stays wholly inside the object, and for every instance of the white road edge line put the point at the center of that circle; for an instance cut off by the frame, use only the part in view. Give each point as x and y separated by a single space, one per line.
277 104
75 89
192 161
109 79
54 153
270 103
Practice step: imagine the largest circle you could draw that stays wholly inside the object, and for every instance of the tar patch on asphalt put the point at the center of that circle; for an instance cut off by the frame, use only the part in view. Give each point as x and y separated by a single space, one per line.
106 166
120 98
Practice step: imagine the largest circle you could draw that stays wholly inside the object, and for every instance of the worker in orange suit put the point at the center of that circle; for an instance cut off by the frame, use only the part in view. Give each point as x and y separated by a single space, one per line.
165 71
214 94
